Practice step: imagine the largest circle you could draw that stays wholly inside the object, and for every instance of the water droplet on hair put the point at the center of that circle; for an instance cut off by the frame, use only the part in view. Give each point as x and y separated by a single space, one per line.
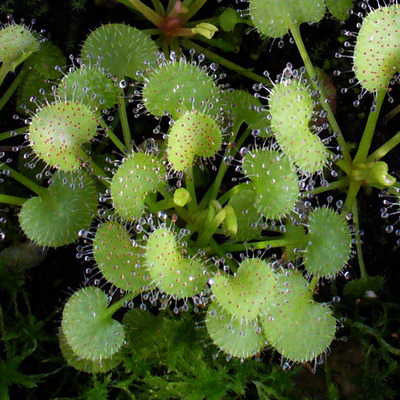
83 233
389 229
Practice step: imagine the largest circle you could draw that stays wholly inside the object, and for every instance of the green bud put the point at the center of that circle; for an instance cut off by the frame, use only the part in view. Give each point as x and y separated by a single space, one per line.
373 174
181 197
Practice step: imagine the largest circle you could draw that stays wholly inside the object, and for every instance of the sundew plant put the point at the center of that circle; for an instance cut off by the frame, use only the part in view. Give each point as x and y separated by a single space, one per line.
190 199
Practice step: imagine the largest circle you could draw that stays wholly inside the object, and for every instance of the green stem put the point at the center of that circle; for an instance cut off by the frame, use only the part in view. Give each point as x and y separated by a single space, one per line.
218 43
152 32
344 166
216 205
209 229
170 5
113 308
165 193
96 170
124 121
188 44
4 70
231 192
147 12
391 115
24 181
262 245
165 47
385 148
13 200
112 136
189 180
295 31
352 192
224 167
193 9
9 134
158 7
174 44
13 87
164 205
369 130
341 183
212 193
363 272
